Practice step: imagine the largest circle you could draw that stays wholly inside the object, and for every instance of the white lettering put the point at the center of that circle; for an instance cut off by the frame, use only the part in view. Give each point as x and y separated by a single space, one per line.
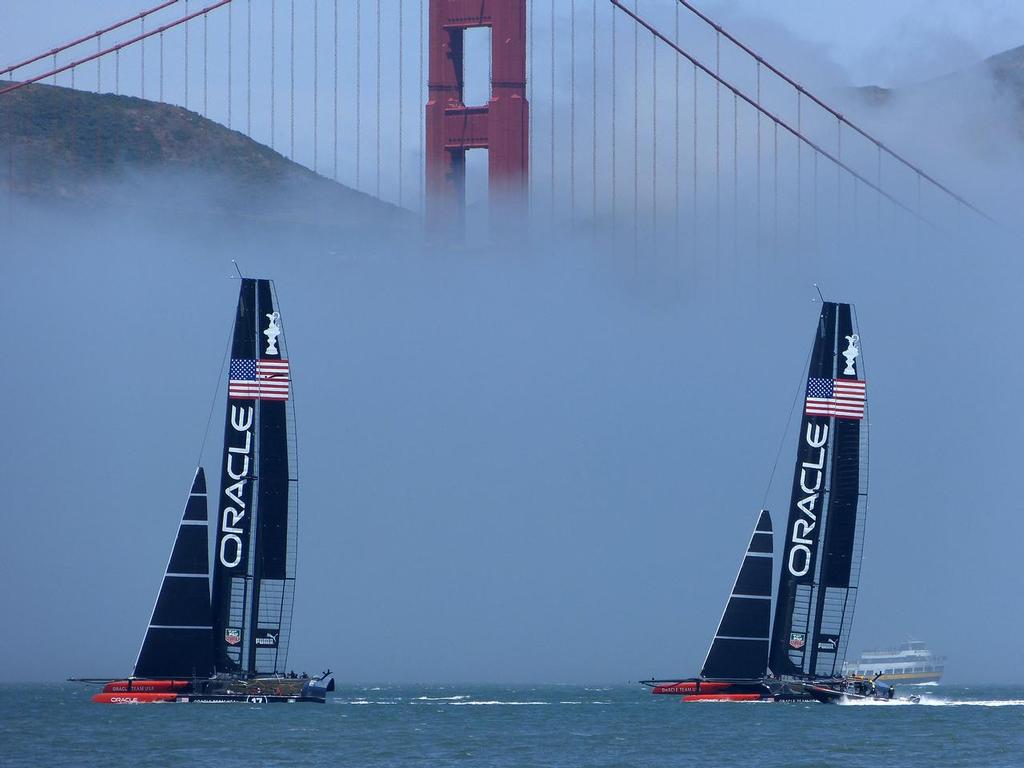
800 538
803 480
245 466
241 426
804 529
234 492
233 516
806 557
236 543
244 449
820 435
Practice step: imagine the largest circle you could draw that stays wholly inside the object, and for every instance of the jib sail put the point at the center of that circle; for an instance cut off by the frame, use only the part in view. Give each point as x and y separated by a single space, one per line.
821 557
254 557
179 639
739 650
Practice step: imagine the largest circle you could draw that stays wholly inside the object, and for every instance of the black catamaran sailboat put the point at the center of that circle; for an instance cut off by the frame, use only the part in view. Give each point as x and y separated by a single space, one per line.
802 656
231 644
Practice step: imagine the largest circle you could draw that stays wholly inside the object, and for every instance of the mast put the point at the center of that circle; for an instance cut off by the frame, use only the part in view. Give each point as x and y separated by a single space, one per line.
821 555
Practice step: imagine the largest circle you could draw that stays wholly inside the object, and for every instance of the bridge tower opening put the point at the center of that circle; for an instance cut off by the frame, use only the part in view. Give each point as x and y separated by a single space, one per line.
501 126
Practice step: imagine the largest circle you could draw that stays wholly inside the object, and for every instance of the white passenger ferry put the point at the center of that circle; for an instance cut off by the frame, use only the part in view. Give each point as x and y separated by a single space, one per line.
910 664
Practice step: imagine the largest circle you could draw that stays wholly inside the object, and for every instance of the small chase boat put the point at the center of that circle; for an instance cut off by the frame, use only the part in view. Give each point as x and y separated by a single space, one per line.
223 636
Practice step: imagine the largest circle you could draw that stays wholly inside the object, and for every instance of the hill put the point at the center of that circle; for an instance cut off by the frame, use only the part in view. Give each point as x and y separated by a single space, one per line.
61 144
1004 71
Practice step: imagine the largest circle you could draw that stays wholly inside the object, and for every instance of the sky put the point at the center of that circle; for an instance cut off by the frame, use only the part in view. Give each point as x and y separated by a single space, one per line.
877 41
535 461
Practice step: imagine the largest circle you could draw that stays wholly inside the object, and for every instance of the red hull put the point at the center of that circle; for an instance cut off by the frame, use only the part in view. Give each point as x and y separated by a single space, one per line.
145 686
133 698
722 697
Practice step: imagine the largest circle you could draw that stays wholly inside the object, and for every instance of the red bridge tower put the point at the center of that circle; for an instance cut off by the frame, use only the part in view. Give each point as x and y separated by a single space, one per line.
501 127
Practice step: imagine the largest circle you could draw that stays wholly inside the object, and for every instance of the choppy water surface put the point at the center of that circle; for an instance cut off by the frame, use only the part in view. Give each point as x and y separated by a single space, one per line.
57 725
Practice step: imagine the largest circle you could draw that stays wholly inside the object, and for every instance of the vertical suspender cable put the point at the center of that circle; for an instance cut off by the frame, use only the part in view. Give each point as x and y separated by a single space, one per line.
572 112
423 115
98 59
799 170
117 71
316 82
552 163
615 77
593 138
735 178
377 155
335 166
693 205
718 149
401 78
273 67
636 135
856 208
231 17
359 92
142 59
206 70
676 150
878 183
161 88
919 228
839 184
54 80
757 226
775 193
814 217
186 56
654 136
248 67
531 93
291 86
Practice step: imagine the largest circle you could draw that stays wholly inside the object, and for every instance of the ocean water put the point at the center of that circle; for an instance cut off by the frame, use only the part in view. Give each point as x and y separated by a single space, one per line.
483 725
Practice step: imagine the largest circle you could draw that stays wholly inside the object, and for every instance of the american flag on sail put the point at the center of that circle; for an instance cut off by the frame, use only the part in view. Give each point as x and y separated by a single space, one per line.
258 380
842 398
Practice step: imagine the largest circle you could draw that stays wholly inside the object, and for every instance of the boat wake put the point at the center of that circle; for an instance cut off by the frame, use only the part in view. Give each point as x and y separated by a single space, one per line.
441 698
499 703
928 701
